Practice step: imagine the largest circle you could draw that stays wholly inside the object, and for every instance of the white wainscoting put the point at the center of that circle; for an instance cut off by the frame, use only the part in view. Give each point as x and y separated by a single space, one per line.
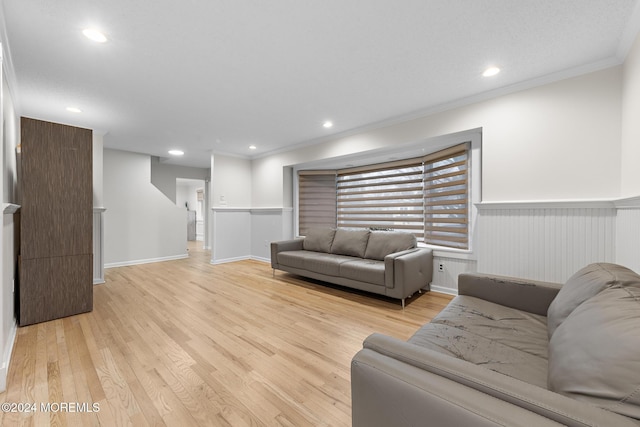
247 233
267 225
98 245
537 240
8 325
628 233
446 281
544 240
231 234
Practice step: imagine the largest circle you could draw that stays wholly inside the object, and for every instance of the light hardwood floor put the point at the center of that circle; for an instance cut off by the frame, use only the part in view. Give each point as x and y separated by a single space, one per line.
187 343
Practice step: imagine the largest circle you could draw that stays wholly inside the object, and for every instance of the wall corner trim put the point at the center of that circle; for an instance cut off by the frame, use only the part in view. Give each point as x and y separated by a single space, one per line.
628 203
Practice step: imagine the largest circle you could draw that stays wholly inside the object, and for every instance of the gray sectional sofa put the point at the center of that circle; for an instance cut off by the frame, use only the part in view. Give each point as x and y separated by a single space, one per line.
384 262
512 352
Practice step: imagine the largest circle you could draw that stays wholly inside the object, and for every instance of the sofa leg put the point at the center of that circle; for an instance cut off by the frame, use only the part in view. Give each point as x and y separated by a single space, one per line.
273 272
403 303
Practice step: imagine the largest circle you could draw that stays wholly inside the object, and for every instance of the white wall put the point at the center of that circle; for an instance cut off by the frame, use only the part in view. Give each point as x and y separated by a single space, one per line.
553 142
231 233
630 175
628 215
231 181
98 186
10 134
140 223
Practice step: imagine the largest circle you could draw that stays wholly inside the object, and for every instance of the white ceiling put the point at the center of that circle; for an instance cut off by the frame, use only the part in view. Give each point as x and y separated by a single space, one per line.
220 75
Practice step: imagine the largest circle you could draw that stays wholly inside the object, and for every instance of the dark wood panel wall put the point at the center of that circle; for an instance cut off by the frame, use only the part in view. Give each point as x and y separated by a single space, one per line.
56 224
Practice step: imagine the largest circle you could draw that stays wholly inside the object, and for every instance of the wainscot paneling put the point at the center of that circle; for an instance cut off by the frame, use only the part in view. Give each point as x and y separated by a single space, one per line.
266 227
98 245
8 325
247 233
544 240
628 233
446 281
231 234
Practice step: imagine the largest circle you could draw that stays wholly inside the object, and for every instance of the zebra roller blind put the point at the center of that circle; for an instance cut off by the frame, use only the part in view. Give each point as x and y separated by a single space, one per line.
446 197
385 196
427 196
316 200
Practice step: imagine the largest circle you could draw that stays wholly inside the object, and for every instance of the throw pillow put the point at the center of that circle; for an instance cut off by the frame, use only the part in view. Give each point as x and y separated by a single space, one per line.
594 355
584 284
350 242
318 239
383 243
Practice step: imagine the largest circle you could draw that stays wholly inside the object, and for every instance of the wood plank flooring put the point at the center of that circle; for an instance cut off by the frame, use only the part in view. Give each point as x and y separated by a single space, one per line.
187 343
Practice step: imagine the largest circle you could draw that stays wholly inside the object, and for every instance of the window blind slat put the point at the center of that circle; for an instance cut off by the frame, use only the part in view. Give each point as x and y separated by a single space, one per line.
382 184
444 167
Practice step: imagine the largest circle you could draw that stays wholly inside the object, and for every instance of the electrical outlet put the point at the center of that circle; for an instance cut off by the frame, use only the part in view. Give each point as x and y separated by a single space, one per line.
441 267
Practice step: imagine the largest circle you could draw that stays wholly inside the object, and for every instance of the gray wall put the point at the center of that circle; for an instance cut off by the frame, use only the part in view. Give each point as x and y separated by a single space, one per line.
140 223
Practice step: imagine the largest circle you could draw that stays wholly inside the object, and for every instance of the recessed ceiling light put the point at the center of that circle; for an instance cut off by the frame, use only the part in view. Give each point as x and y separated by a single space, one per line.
95 35
327 124
252 147
176 152
74 109
491 71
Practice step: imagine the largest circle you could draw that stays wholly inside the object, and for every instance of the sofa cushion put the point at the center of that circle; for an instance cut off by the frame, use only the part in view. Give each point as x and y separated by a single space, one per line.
594 355
499 338
322 263
318 262
293 259
319 239
364 270
383 243
584 284
350 242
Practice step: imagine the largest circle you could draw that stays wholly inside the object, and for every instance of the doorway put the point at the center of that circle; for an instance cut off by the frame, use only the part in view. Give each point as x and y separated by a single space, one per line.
191 196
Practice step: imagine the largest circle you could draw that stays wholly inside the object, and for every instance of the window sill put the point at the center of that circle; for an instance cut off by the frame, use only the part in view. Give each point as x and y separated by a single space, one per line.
440 251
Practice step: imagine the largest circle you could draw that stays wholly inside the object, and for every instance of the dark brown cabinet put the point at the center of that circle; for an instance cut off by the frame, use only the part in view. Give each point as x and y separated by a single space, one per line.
56 221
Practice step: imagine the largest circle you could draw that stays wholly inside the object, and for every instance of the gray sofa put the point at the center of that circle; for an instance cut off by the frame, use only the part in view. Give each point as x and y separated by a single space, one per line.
384 262
512 352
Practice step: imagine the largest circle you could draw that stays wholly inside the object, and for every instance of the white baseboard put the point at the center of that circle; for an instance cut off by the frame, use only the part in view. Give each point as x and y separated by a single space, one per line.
227 260
241 258
443 290
145 261
6 357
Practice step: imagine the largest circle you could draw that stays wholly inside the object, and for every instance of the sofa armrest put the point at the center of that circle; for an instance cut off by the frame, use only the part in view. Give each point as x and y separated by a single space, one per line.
284 245
409 270
401 384
528 295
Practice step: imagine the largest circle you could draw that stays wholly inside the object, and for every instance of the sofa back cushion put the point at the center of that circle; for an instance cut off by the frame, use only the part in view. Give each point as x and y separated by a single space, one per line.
594 355
350 242
319 239
584 284
383 243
